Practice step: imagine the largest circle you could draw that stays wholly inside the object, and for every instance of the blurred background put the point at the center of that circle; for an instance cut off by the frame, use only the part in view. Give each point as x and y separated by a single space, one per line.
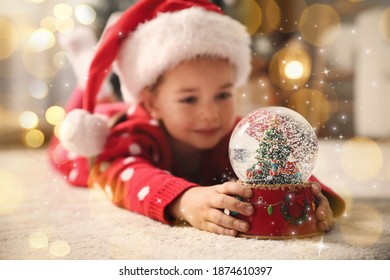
328 60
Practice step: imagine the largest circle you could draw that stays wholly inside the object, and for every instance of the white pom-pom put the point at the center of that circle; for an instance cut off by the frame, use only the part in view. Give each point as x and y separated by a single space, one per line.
83 133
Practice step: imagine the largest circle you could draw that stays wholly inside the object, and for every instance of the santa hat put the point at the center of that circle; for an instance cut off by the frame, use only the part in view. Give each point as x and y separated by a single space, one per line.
150 38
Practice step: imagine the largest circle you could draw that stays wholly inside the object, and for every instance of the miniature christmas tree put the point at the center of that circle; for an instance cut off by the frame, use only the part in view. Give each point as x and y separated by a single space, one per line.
273 164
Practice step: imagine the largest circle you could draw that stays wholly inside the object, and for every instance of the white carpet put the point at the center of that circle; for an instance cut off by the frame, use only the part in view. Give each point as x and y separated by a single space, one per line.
41 217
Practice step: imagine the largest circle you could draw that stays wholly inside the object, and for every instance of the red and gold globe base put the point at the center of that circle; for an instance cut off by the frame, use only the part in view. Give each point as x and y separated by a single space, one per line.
281 211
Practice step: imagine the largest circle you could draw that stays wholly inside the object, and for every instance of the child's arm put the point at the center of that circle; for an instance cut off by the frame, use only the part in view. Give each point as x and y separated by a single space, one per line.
202 207
133 183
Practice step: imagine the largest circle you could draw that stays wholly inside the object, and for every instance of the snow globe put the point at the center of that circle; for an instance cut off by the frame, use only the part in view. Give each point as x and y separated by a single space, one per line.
273 151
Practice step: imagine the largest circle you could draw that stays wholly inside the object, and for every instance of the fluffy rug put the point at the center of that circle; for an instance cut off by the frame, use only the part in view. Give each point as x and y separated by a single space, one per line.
41 217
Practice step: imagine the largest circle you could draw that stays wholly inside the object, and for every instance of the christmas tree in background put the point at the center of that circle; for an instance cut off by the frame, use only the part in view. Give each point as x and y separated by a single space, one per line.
273 164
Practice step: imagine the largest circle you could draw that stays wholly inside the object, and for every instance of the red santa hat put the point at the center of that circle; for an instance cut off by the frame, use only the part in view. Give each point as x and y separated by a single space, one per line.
150 38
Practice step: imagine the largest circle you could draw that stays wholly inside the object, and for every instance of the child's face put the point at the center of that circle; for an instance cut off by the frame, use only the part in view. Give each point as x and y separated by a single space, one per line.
195 102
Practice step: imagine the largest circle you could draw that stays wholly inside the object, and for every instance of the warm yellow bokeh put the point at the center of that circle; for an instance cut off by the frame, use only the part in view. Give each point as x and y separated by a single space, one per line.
291 12
39 64
34 138
62 11
85 14
54 115
290 67
294 70
48 23
270 17
320 24
249 14
312 104
64 25
38 240
28 120
41 39
59 248
361 158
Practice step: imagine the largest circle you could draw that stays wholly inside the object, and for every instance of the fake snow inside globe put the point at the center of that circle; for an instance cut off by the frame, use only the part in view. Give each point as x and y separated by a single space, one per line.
273 145
273 150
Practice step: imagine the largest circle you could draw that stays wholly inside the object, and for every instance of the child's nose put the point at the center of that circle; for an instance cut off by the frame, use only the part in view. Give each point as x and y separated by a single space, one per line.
209 112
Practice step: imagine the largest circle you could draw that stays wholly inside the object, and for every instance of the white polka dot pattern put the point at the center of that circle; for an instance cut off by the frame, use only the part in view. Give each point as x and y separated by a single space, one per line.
143 193
128 160
127 174
135 149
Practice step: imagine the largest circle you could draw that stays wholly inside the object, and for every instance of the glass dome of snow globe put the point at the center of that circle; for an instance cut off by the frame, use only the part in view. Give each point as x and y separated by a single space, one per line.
273 145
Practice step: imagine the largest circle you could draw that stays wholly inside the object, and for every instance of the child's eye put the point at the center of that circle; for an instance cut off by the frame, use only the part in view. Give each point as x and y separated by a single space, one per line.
224 95
188 100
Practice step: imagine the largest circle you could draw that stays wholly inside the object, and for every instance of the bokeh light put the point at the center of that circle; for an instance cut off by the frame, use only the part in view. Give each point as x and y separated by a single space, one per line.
317 21
41 39
39 64
59 60
64 25
249 14
361 226
55 115
361 158
62 11
59 248
85 14
294 70
384 24
38 89
270 17
48 23
12 192
38 240
312 104
290 67
34 138
290 14
8 38
28 120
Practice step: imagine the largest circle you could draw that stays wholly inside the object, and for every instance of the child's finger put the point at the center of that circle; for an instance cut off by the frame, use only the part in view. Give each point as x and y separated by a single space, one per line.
223 201
315 188
233 188
214 228
219 218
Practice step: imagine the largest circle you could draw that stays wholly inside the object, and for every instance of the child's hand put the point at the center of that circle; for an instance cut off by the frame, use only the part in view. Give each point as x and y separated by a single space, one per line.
324 212
203 207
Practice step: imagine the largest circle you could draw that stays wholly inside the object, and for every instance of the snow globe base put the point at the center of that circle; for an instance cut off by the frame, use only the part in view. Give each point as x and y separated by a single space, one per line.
281 211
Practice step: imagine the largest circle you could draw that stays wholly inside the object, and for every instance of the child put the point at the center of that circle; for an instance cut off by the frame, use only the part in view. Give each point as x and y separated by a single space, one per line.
178 63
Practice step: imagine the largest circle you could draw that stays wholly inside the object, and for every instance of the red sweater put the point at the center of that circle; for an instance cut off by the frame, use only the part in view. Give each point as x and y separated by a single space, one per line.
136 168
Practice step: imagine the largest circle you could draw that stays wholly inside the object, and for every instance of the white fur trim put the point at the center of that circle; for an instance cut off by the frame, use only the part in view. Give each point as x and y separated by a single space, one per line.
171 38
83 133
